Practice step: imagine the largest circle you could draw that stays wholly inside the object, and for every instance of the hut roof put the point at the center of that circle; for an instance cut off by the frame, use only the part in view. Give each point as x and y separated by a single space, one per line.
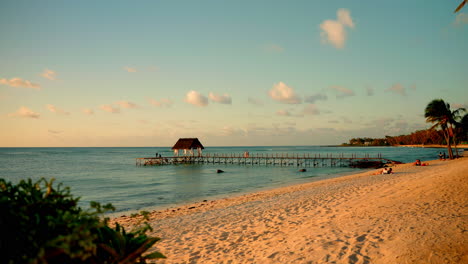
188 143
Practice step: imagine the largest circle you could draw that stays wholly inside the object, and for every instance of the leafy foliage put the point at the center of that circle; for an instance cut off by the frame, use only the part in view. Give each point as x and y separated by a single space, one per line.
48 226
439 113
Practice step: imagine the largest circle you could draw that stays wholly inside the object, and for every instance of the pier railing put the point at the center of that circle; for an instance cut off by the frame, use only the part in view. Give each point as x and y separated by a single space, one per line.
278 159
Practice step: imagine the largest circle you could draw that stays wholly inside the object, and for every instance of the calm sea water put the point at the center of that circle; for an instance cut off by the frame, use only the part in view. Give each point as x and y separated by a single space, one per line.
109 175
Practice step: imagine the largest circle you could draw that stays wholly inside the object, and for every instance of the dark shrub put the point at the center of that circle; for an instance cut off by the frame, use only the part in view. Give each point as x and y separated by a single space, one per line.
43 224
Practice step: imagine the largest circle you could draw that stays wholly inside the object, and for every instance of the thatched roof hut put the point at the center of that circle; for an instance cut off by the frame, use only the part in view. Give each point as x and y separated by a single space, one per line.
188 144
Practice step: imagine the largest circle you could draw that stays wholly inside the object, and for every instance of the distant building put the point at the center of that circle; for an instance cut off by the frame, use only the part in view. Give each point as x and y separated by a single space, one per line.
188 145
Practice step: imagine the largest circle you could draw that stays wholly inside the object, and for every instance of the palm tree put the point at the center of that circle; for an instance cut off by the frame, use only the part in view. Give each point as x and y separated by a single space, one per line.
462 127
454 124
439 113
460 6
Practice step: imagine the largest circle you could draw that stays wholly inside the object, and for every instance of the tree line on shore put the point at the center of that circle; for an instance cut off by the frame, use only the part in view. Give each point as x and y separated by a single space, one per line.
449 128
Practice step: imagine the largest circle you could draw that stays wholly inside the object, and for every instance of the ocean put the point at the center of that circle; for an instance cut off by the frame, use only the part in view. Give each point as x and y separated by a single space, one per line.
109 175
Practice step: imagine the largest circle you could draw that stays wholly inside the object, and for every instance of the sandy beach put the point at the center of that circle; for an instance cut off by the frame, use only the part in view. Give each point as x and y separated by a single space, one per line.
416 215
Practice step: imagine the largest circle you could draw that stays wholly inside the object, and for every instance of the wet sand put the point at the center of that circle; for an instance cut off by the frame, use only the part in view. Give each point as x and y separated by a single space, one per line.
416 215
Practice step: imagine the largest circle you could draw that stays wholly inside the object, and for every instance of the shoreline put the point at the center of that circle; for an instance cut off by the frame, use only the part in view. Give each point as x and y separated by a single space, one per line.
229 198
416 215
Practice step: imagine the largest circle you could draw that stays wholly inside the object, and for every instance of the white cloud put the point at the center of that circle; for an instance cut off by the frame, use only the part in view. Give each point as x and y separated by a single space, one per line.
283 113
222 99
49 74
56 110
127 104
346 120
461 19
232 131
369 91
342 92
130 69
316 97
110 109
456 106
344 17
161 103
274 48
18 82
398 89
25 112
153 69
310 109
334 32
195 98
88 111
283 93
255 101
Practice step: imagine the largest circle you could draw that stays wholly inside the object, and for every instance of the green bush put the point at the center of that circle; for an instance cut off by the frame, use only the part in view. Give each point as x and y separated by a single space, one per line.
46 225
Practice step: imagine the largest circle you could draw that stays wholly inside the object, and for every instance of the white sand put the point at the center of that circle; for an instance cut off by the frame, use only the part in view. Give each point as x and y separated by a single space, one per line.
417 215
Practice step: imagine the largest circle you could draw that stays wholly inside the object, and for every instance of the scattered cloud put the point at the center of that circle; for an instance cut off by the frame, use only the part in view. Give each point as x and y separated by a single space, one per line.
25 112
397 88
283 113
49 74
56 110
413 87
222 99
110 109
232 131
334 31
342 92
88 111
311 109
55 132
284 94
346 120
153 69
161 103
130 69
18 82
456 106
196 98
461 19
369 91
255 101
316 97
274 48
127 104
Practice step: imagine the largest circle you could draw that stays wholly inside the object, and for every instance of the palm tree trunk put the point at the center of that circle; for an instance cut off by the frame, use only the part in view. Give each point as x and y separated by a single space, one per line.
454 137
447 139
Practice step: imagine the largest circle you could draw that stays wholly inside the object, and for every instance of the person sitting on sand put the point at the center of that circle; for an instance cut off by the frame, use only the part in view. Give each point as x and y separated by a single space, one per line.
418 163
383 171
387 171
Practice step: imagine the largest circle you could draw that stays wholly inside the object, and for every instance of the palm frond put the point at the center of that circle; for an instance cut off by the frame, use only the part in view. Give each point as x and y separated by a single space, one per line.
460 6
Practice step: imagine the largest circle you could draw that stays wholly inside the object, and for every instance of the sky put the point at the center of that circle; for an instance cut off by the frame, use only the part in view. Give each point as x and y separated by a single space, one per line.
232 73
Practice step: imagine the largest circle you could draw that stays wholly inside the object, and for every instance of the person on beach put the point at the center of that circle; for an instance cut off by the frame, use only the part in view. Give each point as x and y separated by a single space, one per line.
384 171
418 163
387 171
440 155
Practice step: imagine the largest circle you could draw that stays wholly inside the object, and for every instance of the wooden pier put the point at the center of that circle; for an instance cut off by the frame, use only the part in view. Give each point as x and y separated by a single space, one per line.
298 160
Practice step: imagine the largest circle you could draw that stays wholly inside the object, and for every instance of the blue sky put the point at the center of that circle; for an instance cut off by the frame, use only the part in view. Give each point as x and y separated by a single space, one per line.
144 73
